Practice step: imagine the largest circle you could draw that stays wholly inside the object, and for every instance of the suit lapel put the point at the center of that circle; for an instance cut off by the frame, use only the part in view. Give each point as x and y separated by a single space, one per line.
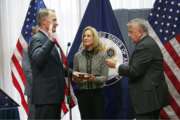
56 55
54 51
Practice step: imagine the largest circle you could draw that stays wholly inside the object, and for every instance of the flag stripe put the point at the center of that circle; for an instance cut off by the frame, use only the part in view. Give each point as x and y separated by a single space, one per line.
172 53
164 114
170 112
170 62
72 97
19 47
19 69
64 107
175 103
176 46
178 38
172 77
73 100
16 84
17 76
173 90
23 42
174 95
175 106
72 103
167 58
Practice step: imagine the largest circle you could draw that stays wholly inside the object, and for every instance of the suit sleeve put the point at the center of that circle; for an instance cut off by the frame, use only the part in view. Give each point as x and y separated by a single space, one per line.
140 62
39 51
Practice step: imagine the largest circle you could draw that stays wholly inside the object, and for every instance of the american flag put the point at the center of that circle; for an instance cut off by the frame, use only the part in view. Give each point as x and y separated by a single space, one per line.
164 21
18 76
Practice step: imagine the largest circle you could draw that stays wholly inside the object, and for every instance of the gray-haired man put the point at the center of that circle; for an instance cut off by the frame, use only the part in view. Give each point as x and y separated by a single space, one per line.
147 86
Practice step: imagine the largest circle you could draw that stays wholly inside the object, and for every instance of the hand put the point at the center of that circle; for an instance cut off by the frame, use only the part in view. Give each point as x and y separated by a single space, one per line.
76 74
110 63
50 33
92 77
50 28
79 76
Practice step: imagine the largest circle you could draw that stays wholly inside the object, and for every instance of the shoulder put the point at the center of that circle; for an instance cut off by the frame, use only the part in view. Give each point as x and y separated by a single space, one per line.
39 35
38 38
146 43
78 54
101 53
150 43
148 40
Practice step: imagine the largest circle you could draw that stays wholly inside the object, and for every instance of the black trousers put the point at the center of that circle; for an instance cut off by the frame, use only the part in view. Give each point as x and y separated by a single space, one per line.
154 115
91 103
47 111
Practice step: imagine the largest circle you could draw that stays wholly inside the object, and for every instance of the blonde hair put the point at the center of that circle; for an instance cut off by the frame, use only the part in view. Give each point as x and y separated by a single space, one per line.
97 45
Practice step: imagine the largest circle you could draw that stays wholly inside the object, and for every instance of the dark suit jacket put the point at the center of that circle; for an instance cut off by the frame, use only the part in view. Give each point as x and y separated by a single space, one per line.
147 86
47 70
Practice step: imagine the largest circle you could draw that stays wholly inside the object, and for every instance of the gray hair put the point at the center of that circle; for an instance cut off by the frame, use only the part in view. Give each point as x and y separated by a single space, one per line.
43 13
142 23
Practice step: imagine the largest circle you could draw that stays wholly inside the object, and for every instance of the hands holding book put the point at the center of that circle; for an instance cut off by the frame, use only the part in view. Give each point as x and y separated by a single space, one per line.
79 76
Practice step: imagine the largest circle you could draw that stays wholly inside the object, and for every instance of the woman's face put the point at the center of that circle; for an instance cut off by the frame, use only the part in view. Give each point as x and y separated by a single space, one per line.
88 39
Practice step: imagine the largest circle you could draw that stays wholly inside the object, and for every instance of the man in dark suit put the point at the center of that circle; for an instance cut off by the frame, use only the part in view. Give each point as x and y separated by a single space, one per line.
47 69
147 86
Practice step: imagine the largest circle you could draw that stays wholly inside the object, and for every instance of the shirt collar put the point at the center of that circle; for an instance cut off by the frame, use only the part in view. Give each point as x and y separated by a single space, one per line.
43 31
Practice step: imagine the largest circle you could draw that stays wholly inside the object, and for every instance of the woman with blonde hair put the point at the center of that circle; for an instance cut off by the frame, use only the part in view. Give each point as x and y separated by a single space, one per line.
89 62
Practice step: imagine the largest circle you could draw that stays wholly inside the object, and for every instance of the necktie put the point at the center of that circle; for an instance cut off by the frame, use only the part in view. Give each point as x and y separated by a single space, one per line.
62 55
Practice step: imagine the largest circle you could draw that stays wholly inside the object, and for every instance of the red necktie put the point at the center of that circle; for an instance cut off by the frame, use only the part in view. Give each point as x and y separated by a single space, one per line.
63 57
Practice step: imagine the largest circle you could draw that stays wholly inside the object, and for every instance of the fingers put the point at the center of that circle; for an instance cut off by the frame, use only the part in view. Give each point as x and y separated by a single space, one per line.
78 76
50 32
92 77
50 28
110 63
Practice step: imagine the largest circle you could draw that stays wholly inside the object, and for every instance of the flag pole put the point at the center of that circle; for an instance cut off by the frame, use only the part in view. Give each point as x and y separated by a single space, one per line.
69 76
69 95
